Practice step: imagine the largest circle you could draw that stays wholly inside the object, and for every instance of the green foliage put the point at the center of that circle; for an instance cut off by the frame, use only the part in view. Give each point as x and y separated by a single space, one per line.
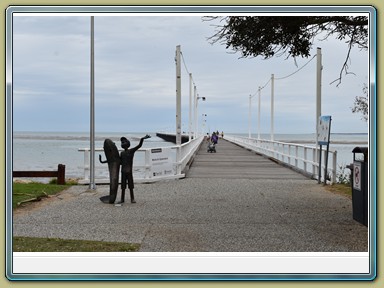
31 244
269 36
341 189
69 181
361 104
33 191
343 176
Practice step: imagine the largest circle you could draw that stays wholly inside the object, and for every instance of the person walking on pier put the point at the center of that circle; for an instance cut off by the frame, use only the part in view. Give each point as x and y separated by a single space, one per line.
214 138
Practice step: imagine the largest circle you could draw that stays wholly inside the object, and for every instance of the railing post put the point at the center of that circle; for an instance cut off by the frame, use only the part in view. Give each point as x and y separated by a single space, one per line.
147 163
305 158
178 160
334 165
313 161
86 164
61 174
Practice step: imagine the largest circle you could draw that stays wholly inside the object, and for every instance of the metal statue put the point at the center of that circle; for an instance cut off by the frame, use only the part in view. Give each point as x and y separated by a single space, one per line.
114 161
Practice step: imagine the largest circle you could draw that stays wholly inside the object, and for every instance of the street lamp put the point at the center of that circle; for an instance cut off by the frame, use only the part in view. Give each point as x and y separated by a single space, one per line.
250 114
196 118
204 126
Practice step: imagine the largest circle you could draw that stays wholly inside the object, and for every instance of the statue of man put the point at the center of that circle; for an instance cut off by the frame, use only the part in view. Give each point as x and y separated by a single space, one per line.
126 158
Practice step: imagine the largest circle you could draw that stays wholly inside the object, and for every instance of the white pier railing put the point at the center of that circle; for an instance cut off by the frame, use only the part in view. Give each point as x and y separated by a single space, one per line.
149 165
302 158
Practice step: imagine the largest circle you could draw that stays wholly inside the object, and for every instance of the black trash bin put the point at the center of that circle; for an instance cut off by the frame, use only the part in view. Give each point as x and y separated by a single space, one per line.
360 185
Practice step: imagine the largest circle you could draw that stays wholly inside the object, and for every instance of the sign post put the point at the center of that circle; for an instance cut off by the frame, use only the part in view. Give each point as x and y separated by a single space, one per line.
323 136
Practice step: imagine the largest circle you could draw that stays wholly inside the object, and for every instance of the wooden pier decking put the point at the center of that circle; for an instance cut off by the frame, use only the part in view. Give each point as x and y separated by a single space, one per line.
235 162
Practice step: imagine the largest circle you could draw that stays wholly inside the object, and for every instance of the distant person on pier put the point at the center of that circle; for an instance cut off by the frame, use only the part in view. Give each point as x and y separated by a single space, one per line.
214 138
222 134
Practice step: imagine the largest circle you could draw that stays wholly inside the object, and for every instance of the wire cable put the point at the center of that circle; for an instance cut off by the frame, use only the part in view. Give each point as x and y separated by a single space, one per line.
186 68
281 78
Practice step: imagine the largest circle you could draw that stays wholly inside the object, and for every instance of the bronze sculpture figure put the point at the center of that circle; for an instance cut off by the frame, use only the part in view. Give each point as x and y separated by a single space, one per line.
126 158
114 161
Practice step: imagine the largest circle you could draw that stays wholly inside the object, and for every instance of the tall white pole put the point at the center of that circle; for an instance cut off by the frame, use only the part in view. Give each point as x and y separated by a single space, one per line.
249 116
195 110
272 105
178 96
197 117
92 112
318 90
190 106
318 101
258 116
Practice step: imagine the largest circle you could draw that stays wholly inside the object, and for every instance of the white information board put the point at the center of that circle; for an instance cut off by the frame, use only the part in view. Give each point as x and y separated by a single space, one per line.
161 164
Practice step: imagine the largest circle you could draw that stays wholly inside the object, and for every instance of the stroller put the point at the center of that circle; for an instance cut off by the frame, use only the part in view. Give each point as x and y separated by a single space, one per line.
211 147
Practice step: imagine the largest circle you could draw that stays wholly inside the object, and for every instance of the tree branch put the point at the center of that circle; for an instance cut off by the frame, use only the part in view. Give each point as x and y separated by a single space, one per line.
345 65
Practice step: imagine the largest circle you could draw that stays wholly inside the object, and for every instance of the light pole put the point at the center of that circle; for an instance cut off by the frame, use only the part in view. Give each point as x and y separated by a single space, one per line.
92 184
204 117
272 106
249 116
196 112
258 116
318 101
190 107
178 96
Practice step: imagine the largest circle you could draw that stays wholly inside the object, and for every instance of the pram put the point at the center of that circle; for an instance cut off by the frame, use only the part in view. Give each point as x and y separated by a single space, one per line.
211 147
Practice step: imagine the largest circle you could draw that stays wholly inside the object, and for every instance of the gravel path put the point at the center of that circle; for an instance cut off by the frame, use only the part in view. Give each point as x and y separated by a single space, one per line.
201 214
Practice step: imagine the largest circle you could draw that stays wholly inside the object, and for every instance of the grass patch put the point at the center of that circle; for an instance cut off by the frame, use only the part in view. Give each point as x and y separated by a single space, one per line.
32 244
342 189
33 191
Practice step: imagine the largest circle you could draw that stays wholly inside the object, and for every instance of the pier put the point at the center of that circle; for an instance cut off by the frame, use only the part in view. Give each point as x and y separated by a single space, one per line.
247 157
234 200
234 162
169 137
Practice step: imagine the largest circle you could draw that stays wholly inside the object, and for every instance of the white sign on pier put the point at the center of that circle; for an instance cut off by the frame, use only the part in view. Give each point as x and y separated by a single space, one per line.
160 162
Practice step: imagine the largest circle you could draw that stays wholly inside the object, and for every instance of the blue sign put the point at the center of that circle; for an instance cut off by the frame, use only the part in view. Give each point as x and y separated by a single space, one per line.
324 130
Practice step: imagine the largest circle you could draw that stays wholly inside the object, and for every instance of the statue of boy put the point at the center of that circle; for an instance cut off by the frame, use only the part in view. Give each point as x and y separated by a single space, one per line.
126 158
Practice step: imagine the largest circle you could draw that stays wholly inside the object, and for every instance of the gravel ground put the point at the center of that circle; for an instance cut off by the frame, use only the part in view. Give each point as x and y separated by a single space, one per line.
200 214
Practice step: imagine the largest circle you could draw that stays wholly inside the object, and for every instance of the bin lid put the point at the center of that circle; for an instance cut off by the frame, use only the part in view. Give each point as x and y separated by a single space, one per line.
363 150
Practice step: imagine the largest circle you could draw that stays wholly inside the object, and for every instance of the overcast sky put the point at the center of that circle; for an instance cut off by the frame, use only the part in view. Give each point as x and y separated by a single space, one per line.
135 76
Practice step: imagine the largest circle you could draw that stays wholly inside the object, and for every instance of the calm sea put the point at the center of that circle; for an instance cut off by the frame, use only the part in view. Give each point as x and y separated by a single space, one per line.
45 150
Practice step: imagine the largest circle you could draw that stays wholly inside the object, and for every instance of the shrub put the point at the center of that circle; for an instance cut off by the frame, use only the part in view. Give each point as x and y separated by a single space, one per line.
343 176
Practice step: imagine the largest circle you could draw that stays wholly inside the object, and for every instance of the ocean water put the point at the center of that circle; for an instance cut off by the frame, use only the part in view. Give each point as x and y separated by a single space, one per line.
45 150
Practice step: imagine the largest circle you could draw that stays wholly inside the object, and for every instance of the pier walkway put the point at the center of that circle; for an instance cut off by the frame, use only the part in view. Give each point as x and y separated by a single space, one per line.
234 162
230 201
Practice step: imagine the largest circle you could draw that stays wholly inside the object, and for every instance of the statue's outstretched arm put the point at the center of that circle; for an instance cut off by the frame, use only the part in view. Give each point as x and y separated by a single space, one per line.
141 142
